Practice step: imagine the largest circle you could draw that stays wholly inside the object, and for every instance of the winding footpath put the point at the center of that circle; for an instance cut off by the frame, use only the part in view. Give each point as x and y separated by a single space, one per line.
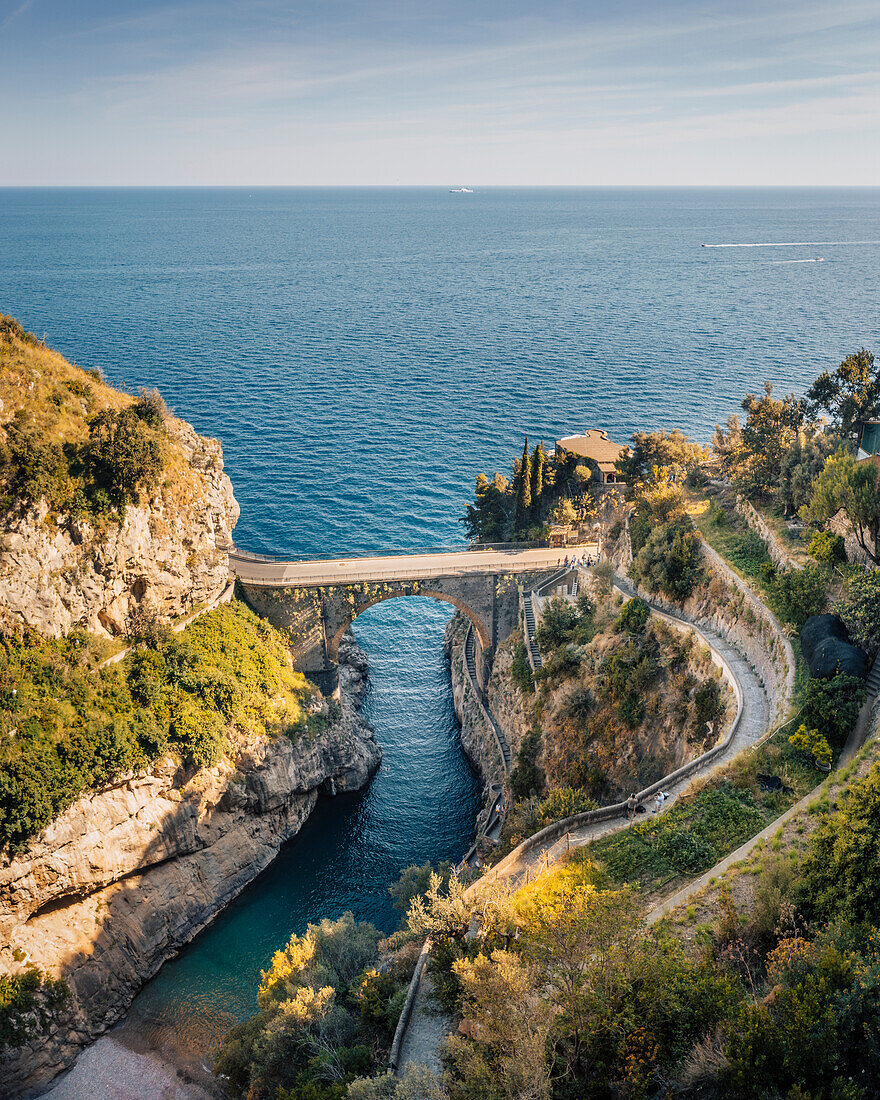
422 1029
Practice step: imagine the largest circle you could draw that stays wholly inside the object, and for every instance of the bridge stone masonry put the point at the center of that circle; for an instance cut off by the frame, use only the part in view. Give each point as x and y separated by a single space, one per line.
314 602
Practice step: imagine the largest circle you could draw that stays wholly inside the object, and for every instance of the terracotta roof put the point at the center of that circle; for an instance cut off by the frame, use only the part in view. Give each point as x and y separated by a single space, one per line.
593 444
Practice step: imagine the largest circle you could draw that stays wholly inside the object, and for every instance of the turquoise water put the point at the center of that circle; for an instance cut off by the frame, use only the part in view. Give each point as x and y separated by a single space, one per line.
362 354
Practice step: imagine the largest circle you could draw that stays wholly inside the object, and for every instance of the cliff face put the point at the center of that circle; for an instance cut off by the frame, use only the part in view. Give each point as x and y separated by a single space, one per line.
477 738
58 572
127 875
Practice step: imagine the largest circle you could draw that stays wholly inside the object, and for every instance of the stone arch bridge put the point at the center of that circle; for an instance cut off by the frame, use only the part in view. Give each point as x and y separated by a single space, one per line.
314 602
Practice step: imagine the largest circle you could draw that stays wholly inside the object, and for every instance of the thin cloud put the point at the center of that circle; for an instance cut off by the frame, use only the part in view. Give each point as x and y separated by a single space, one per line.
13 15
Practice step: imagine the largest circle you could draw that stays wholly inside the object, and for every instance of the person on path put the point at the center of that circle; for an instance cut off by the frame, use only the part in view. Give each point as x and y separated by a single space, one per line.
631 805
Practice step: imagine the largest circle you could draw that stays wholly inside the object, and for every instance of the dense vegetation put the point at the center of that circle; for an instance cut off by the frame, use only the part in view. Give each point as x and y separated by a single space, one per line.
70 727
71 441
328 1007
325 1009
28 1002
544 489
593 738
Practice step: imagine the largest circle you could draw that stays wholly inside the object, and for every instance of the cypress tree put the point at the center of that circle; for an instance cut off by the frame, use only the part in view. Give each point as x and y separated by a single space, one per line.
538 460
524 493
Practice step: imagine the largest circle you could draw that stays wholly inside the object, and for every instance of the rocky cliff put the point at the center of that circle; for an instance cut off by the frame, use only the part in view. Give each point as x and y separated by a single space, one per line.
109 504
60 571
128 874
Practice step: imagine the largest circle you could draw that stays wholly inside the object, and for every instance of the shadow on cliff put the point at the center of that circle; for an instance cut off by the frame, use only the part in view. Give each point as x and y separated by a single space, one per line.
111 942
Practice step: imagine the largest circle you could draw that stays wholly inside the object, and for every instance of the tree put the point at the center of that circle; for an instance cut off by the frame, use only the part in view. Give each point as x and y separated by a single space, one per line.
860 609
564 513
31 465
557 626
487 519
828 548
658 499
800 466
523 490
539 460
840 873
673 450
669 561
832 705
513 1021
633 617
849 395
851 486
800 593
753 455
123 456
415 880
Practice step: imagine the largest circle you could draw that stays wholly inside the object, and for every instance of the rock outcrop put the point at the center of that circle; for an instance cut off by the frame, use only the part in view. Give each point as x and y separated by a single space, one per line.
60 572
127 875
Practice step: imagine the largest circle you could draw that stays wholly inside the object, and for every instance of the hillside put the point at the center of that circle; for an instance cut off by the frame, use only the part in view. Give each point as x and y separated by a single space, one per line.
113 510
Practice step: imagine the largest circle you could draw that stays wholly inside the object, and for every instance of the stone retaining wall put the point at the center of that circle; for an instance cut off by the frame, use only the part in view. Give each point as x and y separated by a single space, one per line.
779 555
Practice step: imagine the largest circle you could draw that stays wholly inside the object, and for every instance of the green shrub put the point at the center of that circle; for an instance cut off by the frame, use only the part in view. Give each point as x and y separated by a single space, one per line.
123 457
633 617
26 999
828 548
526 778
558 620
563 802
860 608
832 705
32 466
669 561
521 670
707 701
78 729
840 873
812 744
415 880
800 593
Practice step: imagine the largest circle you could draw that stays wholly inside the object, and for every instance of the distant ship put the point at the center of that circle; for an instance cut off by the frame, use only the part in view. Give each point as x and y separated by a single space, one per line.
461 190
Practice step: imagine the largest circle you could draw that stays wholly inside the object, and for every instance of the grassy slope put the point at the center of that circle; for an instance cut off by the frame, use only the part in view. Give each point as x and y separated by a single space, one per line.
61 397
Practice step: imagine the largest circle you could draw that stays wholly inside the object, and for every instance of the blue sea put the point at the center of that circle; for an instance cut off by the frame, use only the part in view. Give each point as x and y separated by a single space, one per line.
362 355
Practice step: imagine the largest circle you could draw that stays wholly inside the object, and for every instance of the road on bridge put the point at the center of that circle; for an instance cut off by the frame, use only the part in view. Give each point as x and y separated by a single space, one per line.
252 569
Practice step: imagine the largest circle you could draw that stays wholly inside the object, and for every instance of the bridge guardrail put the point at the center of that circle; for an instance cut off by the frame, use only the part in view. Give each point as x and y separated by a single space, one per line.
405 551
344 577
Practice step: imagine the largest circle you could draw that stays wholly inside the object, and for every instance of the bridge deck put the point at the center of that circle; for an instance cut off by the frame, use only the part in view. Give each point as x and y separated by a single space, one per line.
400 567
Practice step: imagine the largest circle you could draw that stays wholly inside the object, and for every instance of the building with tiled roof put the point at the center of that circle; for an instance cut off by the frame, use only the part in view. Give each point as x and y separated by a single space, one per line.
594 446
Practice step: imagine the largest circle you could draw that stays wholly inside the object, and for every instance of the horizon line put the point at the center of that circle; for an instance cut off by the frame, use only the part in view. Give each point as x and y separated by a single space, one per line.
439 186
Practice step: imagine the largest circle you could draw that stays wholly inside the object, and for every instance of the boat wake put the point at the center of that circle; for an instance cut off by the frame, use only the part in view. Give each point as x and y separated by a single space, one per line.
788 244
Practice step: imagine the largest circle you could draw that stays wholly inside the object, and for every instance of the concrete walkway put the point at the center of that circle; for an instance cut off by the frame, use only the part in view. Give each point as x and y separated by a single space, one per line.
427 1029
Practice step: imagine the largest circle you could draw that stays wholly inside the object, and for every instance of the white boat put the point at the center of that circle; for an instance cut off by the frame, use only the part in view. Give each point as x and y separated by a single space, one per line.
461 190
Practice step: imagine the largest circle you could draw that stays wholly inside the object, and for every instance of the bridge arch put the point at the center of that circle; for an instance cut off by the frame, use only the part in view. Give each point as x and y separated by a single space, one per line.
479 625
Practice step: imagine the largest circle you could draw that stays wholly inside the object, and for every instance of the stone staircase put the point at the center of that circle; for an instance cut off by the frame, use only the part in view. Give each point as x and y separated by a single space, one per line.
873 681
531 645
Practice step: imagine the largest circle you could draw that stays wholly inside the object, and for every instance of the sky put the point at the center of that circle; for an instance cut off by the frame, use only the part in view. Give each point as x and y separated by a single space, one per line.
439 92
